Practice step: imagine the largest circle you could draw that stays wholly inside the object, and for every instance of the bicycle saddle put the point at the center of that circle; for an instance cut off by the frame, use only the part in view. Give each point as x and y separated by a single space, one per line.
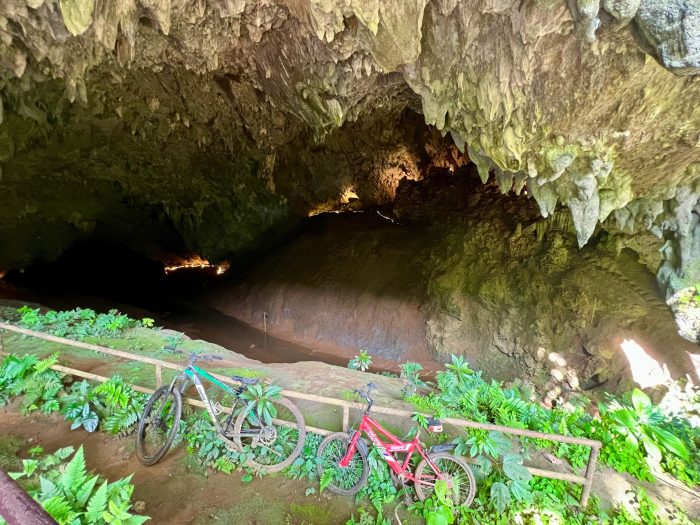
434 425
245 380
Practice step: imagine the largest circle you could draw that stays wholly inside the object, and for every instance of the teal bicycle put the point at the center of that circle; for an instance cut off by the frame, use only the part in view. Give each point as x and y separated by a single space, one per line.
268 429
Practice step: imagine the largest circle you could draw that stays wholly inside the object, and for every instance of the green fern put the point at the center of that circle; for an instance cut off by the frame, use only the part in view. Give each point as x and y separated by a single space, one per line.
68 493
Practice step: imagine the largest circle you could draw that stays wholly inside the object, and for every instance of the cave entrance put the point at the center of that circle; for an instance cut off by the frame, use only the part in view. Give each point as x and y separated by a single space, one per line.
446 266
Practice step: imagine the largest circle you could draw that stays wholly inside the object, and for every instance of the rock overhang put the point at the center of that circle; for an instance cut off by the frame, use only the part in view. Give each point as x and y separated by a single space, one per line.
588 104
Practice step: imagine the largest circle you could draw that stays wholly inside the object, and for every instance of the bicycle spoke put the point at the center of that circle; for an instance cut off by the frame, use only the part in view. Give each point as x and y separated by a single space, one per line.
270 444
342 477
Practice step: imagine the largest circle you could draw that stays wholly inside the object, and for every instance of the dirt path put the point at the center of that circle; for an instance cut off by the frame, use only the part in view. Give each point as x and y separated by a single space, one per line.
177 497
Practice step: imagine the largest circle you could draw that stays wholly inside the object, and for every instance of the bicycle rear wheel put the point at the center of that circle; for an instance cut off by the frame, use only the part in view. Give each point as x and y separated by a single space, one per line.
454 470
158 426
270 448
345 481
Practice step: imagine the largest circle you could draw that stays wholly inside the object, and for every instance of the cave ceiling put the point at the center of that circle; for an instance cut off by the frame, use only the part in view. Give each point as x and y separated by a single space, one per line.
215 125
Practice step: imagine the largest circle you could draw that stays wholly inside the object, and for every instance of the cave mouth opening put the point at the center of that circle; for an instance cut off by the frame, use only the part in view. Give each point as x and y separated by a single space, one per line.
448 265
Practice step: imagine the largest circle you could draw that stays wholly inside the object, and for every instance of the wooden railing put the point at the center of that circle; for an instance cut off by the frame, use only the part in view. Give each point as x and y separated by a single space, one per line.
586 480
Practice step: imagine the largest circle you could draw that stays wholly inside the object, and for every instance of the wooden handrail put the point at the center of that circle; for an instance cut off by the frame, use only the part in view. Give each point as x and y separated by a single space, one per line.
586 480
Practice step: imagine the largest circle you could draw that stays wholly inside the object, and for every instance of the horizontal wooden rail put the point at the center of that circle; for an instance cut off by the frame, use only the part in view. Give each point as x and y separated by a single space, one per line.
586 481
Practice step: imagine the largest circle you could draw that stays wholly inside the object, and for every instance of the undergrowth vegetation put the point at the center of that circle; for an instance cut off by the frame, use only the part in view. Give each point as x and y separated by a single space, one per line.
78 323
638 438
71 495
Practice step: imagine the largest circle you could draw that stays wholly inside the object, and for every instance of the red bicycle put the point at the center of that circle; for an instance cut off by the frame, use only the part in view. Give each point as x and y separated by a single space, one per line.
343 460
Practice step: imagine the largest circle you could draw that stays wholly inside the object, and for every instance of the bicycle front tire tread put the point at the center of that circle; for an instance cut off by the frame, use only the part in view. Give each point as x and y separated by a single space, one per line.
152 460
359 450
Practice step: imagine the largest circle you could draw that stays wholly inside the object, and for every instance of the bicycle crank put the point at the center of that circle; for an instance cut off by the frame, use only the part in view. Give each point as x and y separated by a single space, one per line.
267 436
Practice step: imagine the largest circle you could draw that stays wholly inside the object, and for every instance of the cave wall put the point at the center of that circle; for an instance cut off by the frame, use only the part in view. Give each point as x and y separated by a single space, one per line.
463 270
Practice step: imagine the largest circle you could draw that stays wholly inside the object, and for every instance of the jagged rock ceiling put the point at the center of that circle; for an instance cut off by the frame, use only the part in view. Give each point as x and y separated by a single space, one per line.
224 121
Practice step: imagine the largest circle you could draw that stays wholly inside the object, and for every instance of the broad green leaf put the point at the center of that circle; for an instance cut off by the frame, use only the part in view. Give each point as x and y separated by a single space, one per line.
500 494
631 440
670 442
514 469
502 443
640 401
442 515
652 449
521 491
90 422
441 490
484 466
624 417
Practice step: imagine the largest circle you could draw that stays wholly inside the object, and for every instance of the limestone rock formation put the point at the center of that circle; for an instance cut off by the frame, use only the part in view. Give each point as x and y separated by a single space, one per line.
463 270
222 122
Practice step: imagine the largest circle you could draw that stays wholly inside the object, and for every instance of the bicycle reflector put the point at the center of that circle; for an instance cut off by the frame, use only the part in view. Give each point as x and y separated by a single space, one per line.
434 426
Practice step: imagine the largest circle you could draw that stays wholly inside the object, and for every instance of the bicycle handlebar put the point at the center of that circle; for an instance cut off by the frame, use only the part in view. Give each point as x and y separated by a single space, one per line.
365 393
192 357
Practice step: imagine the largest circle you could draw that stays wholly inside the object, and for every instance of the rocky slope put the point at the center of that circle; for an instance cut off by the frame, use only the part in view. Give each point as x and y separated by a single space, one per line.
214 125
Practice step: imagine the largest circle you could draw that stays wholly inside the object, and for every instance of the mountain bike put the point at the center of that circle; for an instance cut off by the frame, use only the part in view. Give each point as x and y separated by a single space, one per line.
343 460
269 429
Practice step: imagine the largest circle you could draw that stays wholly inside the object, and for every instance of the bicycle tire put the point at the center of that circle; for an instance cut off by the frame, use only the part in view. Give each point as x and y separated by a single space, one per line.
341 441
301 437
424 491
141 453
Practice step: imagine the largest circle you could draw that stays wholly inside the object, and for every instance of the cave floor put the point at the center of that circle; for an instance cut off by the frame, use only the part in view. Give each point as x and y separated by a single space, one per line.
178 490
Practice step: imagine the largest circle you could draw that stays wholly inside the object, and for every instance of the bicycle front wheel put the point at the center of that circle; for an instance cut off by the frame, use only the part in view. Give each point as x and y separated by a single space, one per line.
270 447
452 469
345 481
158 426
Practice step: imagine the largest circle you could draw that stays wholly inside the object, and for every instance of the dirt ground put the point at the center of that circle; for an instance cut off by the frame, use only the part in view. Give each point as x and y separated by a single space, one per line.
171 493
178 491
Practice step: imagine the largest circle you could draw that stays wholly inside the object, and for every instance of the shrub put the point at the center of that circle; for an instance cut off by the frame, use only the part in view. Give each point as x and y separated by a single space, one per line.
73 496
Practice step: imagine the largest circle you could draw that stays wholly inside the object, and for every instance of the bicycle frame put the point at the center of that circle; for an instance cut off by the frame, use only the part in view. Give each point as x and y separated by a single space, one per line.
193 373
370 427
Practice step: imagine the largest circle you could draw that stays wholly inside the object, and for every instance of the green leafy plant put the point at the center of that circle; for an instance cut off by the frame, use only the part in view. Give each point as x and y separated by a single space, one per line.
642 423
306 465
73 496
114 405
439 509
261 397
410 373
79 407
380 488
32 378
75 324
360 362
172 342
203 442
147 322
366 518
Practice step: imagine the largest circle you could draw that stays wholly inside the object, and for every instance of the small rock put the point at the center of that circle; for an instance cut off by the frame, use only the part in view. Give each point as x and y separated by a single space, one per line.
557 374
139 506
